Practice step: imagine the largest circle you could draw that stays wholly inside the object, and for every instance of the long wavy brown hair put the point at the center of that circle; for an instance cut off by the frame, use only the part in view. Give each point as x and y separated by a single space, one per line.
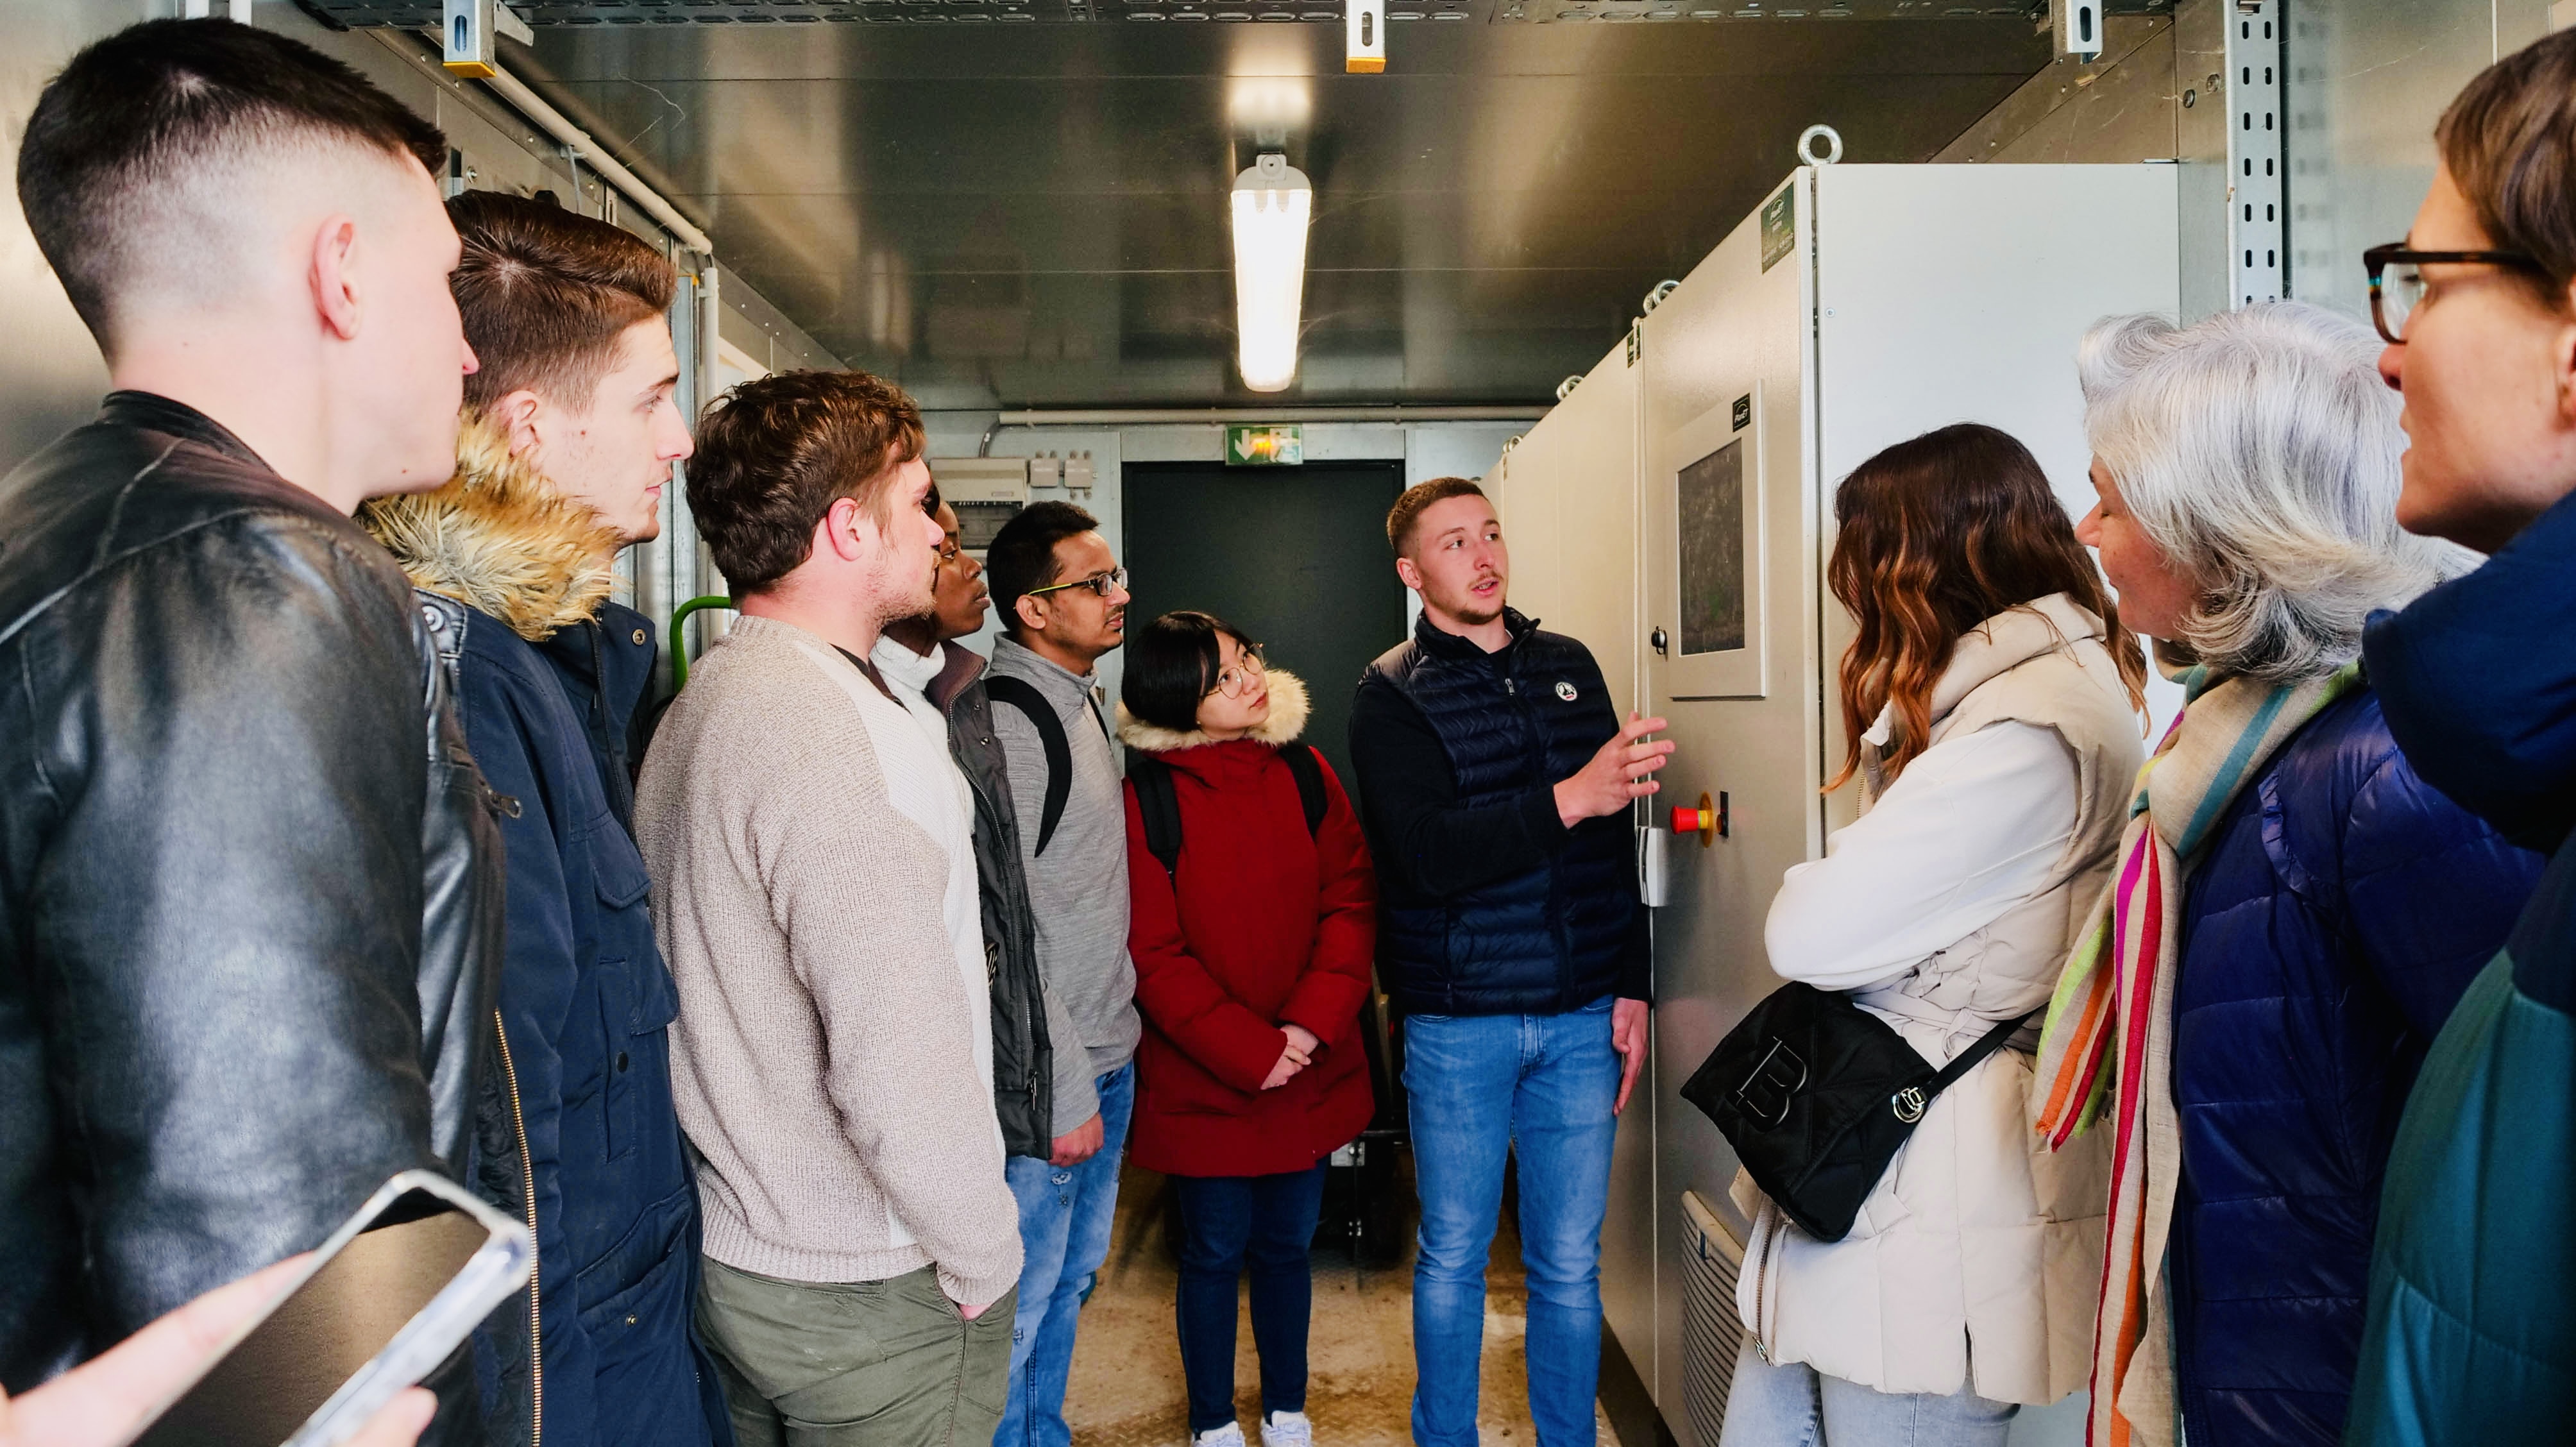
1939 534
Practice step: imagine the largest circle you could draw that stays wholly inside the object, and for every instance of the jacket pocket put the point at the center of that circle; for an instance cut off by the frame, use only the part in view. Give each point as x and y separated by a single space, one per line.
636 1000
644 1371
636 1007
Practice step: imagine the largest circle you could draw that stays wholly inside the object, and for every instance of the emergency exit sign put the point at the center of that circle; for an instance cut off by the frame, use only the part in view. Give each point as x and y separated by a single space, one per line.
1274 445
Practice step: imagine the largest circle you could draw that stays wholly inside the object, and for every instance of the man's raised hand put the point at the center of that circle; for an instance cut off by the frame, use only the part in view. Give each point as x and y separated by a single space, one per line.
1616 775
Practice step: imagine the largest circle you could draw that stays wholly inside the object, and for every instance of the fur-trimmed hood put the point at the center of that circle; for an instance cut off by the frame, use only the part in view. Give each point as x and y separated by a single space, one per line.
498 538
1288 709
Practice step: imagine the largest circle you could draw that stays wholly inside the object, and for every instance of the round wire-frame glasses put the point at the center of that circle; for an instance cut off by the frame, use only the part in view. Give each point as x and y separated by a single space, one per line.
1247 674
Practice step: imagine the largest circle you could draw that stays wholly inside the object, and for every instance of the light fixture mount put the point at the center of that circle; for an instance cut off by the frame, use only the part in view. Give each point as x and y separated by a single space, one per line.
1364 30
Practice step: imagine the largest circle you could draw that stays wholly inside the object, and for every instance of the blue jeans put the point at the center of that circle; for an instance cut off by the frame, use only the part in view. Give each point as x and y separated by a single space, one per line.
1227 1222
1797 1406
1065 1217
1539 1087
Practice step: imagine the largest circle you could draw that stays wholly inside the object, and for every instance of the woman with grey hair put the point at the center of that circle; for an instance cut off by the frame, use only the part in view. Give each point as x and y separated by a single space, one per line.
2293 912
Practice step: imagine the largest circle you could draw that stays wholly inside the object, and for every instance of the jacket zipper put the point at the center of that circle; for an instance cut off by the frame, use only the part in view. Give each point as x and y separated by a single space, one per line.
1762 1277
528 1165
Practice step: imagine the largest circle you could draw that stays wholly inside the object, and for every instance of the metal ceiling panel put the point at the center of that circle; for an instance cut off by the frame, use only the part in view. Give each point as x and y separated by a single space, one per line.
1036 215
416 14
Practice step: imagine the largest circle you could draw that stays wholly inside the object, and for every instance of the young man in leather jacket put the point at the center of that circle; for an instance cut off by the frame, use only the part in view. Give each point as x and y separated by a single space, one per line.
247 887
572 433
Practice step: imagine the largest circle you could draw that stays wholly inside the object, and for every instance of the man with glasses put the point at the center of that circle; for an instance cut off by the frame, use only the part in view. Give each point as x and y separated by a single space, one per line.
1063 604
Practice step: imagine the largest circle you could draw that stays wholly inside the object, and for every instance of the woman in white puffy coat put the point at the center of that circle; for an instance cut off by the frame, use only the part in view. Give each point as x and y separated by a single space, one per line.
1995 774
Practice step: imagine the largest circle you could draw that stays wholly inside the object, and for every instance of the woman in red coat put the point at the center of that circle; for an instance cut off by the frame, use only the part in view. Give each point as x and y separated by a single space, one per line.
1252 961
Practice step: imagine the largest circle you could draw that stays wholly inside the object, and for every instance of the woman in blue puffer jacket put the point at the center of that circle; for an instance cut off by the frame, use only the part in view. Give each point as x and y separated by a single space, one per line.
2322 908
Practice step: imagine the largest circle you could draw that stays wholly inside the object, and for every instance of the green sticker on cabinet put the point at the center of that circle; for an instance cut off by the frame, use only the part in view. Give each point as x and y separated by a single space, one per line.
1779 226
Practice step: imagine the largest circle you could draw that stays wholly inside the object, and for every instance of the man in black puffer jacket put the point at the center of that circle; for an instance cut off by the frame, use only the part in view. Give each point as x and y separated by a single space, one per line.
248 888
1494 779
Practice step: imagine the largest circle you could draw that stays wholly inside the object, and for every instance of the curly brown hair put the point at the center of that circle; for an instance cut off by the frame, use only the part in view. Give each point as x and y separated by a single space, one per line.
776 452
1939 534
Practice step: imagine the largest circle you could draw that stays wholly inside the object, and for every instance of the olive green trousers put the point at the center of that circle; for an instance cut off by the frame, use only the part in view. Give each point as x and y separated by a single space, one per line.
854 1364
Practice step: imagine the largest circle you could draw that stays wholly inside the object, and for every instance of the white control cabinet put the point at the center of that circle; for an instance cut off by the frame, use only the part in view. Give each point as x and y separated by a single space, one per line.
1685 541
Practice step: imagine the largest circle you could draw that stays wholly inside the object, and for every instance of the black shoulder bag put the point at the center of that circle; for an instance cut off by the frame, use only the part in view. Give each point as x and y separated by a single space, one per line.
1817 1095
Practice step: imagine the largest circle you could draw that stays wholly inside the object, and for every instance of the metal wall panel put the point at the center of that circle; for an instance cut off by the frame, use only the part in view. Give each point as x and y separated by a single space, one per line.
2368 78
50 374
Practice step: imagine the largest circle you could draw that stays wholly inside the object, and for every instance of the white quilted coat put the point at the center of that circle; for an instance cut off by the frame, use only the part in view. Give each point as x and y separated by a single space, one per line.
1978 1251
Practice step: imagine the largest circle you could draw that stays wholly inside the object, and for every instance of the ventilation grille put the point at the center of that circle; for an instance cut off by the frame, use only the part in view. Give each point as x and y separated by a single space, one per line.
1712 1332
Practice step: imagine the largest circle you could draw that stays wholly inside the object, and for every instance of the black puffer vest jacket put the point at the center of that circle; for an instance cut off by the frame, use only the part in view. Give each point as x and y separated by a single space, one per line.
1552 939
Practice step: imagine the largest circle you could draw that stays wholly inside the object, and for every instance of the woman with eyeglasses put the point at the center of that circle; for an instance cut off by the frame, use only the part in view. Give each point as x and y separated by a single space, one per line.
2472 1326
1253 926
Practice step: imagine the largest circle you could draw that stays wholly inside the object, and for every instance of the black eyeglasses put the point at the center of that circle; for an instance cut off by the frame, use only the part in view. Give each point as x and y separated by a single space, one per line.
2397 279
1103 584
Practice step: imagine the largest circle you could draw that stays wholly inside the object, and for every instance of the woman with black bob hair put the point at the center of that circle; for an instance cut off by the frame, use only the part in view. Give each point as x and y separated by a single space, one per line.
1253 925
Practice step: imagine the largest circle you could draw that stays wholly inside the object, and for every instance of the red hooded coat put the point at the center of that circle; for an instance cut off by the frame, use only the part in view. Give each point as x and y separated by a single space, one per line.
1260 926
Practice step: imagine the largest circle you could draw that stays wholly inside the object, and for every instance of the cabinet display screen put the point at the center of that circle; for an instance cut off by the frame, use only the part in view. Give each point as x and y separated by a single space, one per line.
1711 495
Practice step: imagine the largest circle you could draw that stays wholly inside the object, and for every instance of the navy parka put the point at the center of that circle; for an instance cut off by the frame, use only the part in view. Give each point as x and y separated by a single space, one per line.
586 1003
2340 911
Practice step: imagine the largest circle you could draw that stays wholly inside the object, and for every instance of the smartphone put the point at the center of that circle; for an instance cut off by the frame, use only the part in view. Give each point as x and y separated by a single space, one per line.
382 1303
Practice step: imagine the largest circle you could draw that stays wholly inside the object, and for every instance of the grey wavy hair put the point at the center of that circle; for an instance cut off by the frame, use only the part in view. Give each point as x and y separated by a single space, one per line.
2258 449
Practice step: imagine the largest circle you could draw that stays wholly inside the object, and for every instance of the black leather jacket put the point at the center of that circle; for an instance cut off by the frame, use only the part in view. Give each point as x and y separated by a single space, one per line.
248 880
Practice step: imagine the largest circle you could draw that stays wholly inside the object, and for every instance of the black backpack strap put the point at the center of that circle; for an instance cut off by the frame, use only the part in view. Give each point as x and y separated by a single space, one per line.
1159 807
1301 761
1023 695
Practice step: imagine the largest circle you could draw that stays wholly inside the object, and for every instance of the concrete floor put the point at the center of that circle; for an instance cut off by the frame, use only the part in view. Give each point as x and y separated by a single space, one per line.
1126 1389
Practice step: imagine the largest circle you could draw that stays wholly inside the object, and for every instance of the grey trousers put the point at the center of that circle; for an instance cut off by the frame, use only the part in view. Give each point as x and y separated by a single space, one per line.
856 1364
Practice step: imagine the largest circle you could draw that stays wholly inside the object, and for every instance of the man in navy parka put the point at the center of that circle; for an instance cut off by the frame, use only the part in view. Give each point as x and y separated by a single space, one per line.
570 435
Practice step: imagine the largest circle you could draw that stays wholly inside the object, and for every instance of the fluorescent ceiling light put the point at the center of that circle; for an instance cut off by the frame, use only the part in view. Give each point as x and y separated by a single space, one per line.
1272 204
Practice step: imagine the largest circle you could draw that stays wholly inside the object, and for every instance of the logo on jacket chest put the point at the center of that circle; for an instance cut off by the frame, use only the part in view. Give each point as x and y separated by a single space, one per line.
1565 690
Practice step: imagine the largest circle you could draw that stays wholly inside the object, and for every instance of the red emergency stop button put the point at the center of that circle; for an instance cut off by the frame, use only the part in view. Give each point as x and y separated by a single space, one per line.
1707 821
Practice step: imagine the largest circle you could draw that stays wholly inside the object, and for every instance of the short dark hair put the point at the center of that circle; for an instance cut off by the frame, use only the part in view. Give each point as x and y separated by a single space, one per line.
776 452
1021 557
1408 509
140 114
1172 662
2509 140
546 293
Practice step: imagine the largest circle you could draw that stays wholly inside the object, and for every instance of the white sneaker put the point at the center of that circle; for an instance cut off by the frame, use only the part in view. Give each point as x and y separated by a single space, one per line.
1229 1435
1287 1429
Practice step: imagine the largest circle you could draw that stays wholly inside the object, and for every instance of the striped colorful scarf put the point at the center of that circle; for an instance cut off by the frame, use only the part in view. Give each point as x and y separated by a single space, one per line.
2108 1044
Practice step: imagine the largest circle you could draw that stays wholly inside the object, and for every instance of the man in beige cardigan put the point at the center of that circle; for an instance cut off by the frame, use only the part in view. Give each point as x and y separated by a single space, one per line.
814 890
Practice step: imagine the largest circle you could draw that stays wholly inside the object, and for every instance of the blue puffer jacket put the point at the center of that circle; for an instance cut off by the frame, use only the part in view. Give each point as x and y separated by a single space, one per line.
2472 1334
2341 909
581 1137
